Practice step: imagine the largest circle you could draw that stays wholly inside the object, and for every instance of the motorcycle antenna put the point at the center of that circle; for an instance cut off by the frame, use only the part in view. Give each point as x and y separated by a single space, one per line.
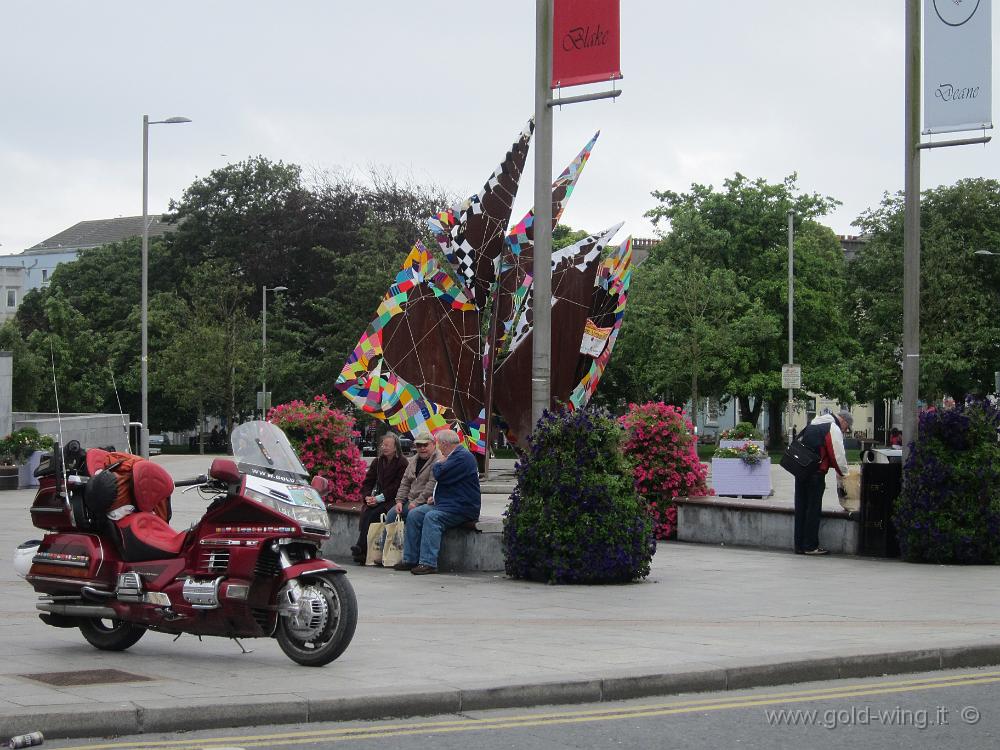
62 445
128 442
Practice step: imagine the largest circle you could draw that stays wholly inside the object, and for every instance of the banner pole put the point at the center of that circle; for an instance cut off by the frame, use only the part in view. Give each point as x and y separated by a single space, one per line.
911 227
541 349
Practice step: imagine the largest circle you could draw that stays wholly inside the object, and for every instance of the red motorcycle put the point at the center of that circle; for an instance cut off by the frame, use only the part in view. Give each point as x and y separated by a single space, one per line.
250 568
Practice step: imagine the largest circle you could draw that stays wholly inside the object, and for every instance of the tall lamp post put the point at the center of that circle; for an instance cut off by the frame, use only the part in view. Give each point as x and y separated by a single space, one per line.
263 341
144 360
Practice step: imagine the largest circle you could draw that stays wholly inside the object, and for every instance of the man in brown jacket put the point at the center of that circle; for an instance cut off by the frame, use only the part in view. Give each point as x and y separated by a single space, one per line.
417 486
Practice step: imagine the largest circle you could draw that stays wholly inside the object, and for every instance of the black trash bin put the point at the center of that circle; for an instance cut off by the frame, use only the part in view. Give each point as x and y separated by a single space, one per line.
881 484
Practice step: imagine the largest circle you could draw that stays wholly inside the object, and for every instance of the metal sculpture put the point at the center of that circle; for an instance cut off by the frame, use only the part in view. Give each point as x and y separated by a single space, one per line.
450 344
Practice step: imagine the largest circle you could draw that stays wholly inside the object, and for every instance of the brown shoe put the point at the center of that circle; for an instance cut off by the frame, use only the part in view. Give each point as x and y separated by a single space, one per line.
423 570
404 566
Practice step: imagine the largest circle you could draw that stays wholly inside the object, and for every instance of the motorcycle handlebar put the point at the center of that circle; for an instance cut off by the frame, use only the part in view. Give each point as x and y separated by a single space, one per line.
201 479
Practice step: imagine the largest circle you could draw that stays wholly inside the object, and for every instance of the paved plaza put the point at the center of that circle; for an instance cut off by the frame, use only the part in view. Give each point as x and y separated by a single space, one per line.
705 618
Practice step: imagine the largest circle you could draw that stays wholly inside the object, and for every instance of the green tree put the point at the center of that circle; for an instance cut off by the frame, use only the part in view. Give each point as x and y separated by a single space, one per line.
564 236
31 376
687 328
959 295
213 358
743 229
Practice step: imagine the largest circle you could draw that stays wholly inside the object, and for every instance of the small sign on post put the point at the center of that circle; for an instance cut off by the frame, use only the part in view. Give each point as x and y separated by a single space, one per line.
996 382
791 376
263 401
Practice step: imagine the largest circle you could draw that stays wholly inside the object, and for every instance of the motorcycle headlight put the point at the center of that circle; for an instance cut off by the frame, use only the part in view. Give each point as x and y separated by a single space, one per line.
311 517
267 501
307 511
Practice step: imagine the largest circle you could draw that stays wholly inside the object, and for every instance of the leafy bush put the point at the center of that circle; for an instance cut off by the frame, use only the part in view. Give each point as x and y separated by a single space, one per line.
575 516
742 431
662 445
18 446
324 439
949 509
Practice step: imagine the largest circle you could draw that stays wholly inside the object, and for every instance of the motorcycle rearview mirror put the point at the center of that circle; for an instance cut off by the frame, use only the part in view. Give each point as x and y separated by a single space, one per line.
224 470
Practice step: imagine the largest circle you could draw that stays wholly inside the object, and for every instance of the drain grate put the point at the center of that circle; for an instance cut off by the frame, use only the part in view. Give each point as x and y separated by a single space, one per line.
85 677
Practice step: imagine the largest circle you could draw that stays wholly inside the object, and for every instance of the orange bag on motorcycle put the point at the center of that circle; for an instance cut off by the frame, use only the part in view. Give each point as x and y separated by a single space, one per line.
123 472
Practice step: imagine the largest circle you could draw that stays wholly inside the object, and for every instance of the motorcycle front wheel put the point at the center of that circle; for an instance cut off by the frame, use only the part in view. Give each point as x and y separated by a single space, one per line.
325 623
110 635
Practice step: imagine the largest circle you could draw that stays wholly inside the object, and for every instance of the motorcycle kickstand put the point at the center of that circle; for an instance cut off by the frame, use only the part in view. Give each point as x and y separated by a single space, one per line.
241 646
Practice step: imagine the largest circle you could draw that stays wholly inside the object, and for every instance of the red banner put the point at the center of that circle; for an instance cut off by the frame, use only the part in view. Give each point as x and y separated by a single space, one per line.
586 42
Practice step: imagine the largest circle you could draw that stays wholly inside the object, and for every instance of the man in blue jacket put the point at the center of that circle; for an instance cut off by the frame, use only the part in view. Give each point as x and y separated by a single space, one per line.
457 499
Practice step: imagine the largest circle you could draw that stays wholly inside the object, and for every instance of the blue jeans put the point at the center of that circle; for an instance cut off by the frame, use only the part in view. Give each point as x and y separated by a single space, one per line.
424 526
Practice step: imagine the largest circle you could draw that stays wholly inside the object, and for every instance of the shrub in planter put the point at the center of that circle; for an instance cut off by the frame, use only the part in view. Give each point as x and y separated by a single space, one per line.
324 439
742 431
575 516
949 509
661 444
18 446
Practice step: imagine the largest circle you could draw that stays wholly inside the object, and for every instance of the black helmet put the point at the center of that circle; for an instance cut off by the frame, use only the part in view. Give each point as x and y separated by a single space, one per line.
101 492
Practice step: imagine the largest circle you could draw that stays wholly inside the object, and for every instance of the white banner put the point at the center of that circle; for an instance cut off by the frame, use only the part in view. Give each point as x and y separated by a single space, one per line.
957 63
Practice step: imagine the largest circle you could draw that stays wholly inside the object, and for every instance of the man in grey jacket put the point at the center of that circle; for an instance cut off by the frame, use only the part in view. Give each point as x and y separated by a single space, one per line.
417 486
418 482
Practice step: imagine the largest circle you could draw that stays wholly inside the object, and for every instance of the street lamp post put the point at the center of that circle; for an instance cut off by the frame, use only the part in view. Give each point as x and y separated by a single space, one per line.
144 306
791 315
263 340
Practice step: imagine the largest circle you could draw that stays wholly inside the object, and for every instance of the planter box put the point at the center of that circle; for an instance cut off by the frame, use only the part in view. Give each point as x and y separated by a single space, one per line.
8 477
26 471
731 476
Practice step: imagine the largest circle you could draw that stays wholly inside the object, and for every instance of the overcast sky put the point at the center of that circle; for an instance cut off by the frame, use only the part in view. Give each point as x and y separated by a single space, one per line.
437 90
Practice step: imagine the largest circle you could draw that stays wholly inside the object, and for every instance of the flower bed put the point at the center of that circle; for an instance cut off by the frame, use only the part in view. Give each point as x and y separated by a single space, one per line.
662 445
323 438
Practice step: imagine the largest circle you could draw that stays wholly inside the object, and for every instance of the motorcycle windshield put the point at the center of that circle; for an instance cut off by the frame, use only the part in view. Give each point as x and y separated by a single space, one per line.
261 449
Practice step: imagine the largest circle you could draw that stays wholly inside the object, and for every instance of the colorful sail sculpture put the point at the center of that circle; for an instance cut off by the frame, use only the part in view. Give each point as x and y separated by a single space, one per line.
451 344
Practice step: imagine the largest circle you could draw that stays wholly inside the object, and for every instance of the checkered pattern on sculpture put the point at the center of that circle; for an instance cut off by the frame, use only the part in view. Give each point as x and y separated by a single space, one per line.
579 255
613 278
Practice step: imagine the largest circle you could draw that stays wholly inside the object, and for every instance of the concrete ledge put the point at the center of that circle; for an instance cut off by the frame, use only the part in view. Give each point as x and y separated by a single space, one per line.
462 550
747 523
94 720
172 716
539 694
386 706
782 673
644 685
88 720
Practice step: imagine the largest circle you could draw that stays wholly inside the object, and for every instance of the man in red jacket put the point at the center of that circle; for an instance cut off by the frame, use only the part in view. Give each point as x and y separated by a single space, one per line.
825 435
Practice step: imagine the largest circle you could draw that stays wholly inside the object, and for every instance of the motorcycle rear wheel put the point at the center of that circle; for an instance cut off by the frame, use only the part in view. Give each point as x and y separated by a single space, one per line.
110 635
319 649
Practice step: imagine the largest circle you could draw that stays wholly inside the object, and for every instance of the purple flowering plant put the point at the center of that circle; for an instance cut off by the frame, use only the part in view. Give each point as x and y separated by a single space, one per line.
575 515
949 508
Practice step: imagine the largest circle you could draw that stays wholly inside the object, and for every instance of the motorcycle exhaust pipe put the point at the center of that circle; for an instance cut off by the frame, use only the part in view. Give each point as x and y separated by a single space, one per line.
77 610
96 594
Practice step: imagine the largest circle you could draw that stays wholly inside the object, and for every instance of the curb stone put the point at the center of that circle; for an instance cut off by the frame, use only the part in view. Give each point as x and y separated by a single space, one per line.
130 718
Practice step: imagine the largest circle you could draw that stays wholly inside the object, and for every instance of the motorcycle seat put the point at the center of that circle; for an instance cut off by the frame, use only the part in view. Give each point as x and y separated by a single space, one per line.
151 485
146 536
